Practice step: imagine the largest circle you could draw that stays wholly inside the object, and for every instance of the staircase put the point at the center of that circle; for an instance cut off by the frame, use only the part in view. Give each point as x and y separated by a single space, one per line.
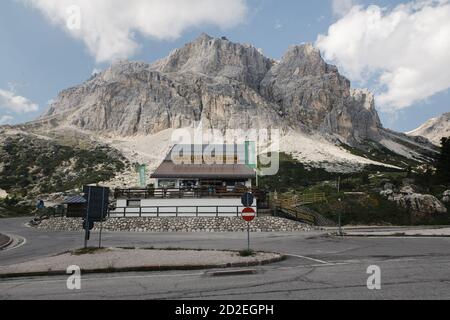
294 208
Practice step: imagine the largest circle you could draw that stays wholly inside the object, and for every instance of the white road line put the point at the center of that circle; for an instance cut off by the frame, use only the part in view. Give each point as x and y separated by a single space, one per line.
313 266
21 242
308 258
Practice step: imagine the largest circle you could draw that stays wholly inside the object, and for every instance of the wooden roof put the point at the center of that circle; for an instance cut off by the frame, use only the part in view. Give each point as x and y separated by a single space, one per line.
170 170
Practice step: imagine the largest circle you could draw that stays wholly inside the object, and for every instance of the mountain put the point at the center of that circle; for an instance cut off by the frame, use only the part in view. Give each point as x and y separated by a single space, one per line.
31 165
135 106
434 129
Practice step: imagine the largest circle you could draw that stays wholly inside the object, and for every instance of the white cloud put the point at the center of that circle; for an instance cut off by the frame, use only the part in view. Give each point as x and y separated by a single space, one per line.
5 119
10 101
405 49
341 7
108 27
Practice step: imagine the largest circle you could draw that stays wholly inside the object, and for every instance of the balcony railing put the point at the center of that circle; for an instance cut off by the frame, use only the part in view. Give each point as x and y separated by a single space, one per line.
180 193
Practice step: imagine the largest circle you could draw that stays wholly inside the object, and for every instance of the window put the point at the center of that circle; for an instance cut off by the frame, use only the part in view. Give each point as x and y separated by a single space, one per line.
134 203
167 184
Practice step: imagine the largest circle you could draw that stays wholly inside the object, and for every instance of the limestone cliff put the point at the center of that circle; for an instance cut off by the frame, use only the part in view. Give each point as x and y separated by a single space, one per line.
226 85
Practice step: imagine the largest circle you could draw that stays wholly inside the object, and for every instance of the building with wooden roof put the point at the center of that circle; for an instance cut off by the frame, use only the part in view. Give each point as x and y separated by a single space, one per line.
204 166
194 180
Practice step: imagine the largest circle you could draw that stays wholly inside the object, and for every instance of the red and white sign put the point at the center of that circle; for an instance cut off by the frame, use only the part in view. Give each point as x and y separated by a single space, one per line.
248 214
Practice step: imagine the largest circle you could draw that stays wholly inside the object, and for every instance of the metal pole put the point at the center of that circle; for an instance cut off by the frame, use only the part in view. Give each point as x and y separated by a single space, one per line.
87 220
248 235
101 223
340 225
100 238
339 216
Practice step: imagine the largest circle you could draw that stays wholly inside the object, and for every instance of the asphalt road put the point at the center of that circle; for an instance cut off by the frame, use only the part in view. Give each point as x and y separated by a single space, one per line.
318 267
3 240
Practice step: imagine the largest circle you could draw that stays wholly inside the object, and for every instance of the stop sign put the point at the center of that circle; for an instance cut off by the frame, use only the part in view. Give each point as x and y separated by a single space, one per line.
248 214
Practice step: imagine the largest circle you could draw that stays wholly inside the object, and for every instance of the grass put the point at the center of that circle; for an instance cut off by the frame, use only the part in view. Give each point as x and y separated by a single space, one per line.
242 253
10 208
294 175
372 209
90 250
163 249
368 207
379 153
32 166
247 253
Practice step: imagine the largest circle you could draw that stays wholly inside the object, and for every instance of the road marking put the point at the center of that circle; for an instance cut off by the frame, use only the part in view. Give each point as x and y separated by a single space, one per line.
313 266
17 242
311 259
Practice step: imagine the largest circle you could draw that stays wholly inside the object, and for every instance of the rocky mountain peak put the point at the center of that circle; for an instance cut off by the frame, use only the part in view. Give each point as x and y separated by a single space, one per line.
302 52
366 96
224 85
218 58
306 60
434 129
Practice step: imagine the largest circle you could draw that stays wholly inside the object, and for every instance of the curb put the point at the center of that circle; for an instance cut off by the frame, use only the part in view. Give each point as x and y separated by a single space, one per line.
7 244
146 269
394 236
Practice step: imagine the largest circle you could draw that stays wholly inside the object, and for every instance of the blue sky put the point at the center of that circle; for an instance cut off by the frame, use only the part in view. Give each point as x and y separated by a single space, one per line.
40 58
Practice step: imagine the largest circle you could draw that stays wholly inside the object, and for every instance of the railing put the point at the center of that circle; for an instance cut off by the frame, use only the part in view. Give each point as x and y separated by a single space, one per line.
175 193
312 198
299 200
177 211
296 214
288 207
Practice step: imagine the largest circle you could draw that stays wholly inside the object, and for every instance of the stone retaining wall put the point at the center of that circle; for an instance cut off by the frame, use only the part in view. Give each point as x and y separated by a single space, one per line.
182 224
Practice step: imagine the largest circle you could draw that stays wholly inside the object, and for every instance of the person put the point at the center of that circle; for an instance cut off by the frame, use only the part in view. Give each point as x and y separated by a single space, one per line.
40 205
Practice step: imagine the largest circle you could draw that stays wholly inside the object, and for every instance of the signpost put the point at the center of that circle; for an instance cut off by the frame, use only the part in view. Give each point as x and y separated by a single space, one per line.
247 199
88 225
87 221
248 214
96 209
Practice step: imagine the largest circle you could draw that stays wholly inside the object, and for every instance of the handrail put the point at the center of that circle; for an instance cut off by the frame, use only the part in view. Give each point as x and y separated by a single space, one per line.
290 205
303 199
174 193
178 210
299 215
